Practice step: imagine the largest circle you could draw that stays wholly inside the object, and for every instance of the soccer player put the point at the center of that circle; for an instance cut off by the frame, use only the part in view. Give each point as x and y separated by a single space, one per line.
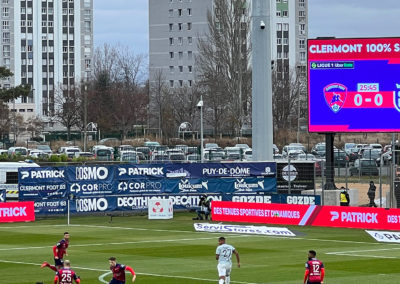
59 250
315 270
118 271
66 275
224 256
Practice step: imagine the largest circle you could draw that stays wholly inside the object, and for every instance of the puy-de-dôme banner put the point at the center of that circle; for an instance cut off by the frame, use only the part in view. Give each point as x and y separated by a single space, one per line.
129 187
353 85
307 215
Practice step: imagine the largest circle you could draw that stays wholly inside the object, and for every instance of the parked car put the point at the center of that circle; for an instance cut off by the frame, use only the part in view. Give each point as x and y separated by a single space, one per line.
213 155
306 157
177 157
38 154
292 147
319 150
3 152
293 154
299 145
371 154
364 167
233 153
386 157
353 154
340 158
151 144
45 148
12 151
160 158
70 151
145 150
193 158
348 147
211 146
129 156
242 146
103 153
376 146
248 155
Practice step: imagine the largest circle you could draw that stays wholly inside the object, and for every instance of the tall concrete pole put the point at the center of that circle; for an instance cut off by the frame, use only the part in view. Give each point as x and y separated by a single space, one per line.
262 125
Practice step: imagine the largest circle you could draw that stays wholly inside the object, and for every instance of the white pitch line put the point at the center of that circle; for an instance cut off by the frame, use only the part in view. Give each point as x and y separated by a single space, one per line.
122 243
367 250
368 256
101 277
138 273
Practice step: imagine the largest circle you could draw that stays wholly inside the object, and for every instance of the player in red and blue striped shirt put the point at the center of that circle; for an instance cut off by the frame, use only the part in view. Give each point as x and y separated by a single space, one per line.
66 275
118 271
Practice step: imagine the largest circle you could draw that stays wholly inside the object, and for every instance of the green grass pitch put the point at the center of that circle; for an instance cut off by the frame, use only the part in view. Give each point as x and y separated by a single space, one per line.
171 252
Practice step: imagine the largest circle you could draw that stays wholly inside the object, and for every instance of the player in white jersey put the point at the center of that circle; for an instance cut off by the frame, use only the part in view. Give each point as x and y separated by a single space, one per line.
224 256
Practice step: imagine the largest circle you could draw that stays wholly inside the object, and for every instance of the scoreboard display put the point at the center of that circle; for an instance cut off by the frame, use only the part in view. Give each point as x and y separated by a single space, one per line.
354 85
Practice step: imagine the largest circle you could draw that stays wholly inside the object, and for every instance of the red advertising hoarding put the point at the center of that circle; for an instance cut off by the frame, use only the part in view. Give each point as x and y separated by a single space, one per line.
17 212
311 215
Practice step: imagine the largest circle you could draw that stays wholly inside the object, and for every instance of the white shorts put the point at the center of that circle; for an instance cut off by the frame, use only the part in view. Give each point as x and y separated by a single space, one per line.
224 269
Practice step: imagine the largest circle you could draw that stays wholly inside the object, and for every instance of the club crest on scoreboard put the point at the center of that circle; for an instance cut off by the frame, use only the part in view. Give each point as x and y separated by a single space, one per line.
396 98
335 96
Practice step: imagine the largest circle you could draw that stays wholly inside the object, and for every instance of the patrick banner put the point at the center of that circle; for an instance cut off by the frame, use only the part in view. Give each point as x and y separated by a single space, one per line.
17 212
307 215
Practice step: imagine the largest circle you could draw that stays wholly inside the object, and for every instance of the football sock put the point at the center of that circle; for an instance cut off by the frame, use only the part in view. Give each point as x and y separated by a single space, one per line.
227 279
52 267
221 281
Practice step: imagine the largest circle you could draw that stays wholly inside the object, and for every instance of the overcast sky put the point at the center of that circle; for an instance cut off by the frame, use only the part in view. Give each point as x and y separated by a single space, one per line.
126 21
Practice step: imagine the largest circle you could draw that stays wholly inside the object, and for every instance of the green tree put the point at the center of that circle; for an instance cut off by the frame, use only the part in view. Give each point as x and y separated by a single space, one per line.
7 95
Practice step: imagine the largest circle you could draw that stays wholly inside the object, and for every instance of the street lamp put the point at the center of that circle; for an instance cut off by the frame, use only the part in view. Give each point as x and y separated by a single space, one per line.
200 106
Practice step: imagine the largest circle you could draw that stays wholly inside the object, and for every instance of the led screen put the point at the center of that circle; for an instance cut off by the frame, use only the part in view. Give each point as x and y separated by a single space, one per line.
354 85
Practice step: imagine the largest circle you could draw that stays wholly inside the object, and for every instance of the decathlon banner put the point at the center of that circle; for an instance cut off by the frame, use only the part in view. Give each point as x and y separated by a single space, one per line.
241 229
17 212
325 216
385 236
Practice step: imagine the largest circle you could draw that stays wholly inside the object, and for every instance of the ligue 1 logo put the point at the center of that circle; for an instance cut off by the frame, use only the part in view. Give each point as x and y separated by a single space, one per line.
335 96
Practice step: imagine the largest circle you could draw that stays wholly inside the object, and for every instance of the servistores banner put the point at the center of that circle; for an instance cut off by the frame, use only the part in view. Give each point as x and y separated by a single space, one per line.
311 215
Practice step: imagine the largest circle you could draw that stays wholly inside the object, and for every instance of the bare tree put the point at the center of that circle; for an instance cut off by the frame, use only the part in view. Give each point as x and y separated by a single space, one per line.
285 99
159 93
35 126
68 105
223 63
117 97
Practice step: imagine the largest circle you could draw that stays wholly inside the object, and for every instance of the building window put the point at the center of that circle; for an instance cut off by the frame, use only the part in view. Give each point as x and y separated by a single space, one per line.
23 10
302 43
285 27
279 55
190 68
301 3
6 11
302 29
189 26
180 12
180 83
180 25
285 13
302 13
190 83
171 41
190 40
189 11
279 27
190 55
171 55
278 41
171 83
180 55
302 56
6 25
285 55
180 40
278 13
171 12
171 69
181 69
285 41
171 27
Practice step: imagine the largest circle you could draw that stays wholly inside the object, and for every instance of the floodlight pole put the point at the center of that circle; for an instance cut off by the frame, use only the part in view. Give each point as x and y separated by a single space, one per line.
262 123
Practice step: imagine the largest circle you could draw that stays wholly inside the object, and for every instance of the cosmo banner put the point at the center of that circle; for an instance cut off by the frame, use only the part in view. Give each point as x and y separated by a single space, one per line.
385 236
17 212
325 216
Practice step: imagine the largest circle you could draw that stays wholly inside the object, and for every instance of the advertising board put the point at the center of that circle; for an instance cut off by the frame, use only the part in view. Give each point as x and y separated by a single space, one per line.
353 85
17 212
311 215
